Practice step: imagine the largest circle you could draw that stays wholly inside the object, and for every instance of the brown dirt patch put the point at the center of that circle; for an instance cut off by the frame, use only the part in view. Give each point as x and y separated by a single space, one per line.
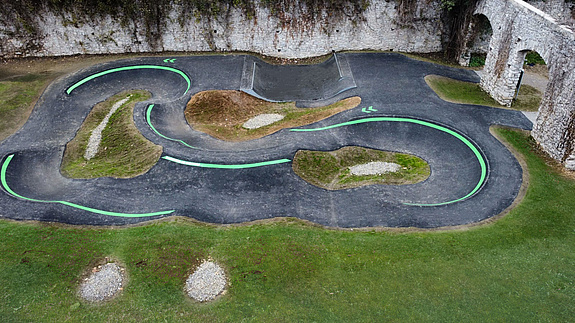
221 114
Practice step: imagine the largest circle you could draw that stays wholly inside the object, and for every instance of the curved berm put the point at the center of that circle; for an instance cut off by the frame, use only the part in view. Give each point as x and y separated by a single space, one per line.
280 83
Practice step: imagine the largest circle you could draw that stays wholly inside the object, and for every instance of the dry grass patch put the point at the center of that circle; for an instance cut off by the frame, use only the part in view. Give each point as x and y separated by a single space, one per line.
221 114
330 169
123 151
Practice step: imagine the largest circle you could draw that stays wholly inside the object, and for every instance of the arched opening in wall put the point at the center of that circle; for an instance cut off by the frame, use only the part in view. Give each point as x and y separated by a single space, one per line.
479 37
532 81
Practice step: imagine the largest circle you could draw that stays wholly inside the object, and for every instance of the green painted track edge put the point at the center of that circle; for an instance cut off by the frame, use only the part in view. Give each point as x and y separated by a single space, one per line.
149 121
127 68
84 208
468 143
222 166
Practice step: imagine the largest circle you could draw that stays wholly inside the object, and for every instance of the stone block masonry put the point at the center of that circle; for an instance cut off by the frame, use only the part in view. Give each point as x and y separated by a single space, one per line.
518 28
264 33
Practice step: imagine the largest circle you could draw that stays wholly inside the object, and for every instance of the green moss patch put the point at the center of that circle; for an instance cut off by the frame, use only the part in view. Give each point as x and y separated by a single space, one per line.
330 169
123 151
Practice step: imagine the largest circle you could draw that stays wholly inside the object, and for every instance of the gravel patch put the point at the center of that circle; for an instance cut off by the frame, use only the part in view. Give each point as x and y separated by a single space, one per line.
207 282
104 283
262 120
374 168
96 136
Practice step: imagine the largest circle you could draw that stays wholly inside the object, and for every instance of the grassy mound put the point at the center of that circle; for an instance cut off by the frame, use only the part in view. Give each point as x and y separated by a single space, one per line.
456 91
221 114
123 151
330 169
17 98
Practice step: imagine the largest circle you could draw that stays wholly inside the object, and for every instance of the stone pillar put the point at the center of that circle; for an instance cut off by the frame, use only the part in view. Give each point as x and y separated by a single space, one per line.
503 64
555 126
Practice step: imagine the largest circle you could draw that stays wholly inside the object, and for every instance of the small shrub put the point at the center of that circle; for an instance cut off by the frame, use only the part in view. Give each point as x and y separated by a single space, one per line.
477 60
533 58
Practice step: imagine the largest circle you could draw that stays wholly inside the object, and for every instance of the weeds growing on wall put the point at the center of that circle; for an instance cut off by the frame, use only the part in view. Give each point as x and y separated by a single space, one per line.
150 16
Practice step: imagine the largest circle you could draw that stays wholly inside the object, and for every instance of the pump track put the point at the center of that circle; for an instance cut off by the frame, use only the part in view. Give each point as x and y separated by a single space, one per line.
473 176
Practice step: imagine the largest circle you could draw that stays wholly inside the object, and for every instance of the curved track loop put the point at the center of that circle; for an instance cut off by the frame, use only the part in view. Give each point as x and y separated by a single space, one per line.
473 176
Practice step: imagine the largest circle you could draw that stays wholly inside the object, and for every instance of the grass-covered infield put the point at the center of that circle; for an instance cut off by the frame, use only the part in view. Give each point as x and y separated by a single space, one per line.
528 98
519 268
221 114
330 169
123 151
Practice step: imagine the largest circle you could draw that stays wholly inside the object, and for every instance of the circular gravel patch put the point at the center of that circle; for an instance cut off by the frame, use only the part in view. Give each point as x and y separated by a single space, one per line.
374 168
207 282
262 120
104 283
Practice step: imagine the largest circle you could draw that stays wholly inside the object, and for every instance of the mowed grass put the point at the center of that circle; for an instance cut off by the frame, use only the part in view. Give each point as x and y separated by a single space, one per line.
17 97
123 151
330 169
520 268
456 91
221 114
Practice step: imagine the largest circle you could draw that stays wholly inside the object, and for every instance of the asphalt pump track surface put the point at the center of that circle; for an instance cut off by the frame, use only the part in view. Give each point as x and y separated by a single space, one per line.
473 176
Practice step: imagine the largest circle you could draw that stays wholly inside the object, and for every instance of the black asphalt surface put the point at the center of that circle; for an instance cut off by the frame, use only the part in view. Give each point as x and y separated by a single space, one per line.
391 83
282 83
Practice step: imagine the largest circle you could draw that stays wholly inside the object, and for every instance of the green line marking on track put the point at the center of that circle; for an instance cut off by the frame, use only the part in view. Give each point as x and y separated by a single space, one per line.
11 192
221 166
468 143
369 110
149 121
128 68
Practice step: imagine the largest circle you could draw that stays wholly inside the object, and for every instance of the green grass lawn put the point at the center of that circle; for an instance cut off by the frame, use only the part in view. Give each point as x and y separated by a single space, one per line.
456 91
520 268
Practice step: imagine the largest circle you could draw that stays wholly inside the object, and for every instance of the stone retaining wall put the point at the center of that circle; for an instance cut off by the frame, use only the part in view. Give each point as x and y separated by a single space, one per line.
264 33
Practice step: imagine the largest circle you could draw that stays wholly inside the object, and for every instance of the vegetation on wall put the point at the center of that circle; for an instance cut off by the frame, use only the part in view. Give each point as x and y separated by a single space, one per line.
150 16
457 16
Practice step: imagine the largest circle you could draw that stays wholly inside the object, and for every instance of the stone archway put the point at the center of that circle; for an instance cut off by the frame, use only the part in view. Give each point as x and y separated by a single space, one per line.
518 28
478 38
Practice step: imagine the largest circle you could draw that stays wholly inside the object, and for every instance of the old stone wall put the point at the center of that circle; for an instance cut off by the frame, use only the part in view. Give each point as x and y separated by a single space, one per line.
562 11
382 29
518 28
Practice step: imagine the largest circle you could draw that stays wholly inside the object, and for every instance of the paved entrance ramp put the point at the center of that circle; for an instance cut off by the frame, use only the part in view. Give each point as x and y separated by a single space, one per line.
280 83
